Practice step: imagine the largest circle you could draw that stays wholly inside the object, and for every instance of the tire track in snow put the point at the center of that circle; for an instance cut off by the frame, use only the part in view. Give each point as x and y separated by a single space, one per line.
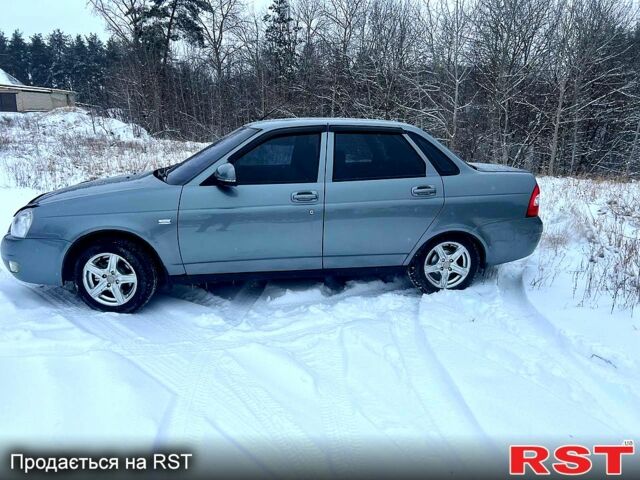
243 392
187 376
277 433
173 369
437 389
336 412
183 372
66 304
234 309
241 407
166 346
163 330
119 334
591 378
188 417
485 328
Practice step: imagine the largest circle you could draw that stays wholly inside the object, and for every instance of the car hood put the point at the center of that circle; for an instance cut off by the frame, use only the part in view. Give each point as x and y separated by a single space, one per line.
493 167
97 187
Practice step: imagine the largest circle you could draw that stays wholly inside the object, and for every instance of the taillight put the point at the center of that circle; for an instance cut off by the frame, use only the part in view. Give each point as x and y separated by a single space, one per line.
534 202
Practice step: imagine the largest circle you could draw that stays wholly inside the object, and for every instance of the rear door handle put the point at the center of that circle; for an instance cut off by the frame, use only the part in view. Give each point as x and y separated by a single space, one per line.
308 196
424 191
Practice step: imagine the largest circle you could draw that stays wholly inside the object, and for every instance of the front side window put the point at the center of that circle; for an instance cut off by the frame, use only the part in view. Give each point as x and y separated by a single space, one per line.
183 172
282 159
374 156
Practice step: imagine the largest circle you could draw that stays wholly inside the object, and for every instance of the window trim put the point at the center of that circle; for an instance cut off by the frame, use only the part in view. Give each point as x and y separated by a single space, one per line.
331 146
233 156
366 129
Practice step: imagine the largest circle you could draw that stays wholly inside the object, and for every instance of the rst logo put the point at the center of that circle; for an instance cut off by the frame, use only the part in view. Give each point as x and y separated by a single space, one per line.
567 459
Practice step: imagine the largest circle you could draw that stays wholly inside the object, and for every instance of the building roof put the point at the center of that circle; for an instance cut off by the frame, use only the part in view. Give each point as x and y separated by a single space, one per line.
9 83
6 79
29 88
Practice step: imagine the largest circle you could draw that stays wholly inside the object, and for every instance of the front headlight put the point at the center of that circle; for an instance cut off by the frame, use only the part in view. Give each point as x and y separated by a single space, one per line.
21 223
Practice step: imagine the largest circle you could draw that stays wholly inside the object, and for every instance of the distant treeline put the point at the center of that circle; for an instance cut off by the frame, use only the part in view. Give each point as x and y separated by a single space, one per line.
60 61
551 85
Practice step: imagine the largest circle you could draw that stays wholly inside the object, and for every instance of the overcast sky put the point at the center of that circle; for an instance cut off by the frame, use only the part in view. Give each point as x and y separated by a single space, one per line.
43 16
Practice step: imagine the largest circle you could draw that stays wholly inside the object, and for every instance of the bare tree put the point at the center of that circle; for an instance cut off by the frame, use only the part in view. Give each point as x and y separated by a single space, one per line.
449 37
547 84
511 43
123 17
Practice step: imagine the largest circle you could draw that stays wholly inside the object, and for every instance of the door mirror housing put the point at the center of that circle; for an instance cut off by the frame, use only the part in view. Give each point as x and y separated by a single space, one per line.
225 175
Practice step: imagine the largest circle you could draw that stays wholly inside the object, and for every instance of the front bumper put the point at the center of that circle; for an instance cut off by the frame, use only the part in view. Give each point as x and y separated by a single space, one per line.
38 260
511 239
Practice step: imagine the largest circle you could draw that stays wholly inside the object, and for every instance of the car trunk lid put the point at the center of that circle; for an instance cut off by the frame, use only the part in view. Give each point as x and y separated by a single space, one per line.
492 167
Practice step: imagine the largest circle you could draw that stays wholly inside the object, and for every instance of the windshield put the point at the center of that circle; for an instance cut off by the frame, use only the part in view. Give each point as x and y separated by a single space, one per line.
183 172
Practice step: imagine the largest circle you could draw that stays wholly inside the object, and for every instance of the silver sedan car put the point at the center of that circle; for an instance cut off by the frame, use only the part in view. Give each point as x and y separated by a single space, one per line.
282 197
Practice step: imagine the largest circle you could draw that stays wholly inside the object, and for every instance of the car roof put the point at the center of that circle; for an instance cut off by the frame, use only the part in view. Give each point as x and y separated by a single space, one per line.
304 122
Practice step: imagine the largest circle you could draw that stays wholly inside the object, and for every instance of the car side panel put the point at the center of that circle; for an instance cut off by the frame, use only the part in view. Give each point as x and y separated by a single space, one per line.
491 206
511 240
251 228
149 213
375 223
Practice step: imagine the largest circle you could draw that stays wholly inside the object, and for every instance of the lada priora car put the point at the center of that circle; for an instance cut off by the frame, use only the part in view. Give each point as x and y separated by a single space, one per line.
280 197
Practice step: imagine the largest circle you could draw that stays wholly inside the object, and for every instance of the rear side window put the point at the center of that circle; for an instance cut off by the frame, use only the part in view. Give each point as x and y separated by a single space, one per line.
282 159
440 161
374 156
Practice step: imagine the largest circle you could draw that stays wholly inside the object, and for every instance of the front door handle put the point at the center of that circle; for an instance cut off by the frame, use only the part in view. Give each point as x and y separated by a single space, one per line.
308 196
424 191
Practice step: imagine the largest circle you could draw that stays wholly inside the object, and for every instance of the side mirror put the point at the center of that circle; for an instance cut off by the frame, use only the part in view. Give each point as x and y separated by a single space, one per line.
226 175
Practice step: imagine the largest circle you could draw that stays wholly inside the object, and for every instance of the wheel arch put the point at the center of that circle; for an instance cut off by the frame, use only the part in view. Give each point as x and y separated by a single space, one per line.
85 240
452 235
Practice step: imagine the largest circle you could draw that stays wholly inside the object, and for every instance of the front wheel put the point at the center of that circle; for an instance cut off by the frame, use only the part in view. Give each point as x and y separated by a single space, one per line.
115 276
445 264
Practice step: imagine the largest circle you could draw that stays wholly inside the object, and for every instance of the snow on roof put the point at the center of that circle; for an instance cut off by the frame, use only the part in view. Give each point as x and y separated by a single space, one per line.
6 79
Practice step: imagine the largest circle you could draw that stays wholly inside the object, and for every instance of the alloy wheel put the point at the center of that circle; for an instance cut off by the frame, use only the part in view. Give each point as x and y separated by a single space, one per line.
447 264
109 279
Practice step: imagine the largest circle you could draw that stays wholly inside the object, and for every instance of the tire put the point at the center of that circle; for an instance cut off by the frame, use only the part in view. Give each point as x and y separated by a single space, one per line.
429 258
135 277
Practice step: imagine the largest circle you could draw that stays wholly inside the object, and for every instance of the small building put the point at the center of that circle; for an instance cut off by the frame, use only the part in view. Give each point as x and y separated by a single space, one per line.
16 97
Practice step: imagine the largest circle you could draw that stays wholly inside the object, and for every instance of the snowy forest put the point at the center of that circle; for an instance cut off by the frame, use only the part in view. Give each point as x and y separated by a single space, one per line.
549 85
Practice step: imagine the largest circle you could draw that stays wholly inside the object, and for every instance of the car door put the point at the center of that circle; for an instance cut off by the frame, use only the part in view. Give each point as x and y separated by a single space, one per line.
271 220
381 195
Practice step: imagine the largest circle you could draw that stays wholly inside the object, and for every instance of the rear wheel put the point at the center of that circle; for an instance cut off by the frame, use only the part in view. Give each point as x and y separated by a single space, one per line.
115 276
445 264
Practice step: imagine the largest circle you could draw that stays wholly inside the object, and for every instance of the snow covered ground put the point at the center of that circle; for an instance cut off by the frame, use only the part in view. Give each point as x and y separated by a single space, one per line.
297 371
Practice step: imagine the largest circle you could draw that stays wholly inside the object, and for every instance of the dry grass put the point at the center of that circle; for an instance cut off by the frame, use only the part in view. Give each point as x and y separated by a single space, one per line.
592 231
39 156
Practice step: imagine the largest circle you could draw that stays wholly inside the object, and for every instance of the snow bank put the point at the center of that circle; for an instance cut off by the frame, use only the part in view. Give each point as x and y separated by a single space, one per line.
76 121
48 150
69 121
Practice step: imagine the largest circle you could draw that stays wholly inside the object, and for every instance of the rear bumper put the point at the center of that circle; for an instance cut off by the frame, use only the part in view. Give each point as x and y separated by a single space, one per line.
38 260
511 240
